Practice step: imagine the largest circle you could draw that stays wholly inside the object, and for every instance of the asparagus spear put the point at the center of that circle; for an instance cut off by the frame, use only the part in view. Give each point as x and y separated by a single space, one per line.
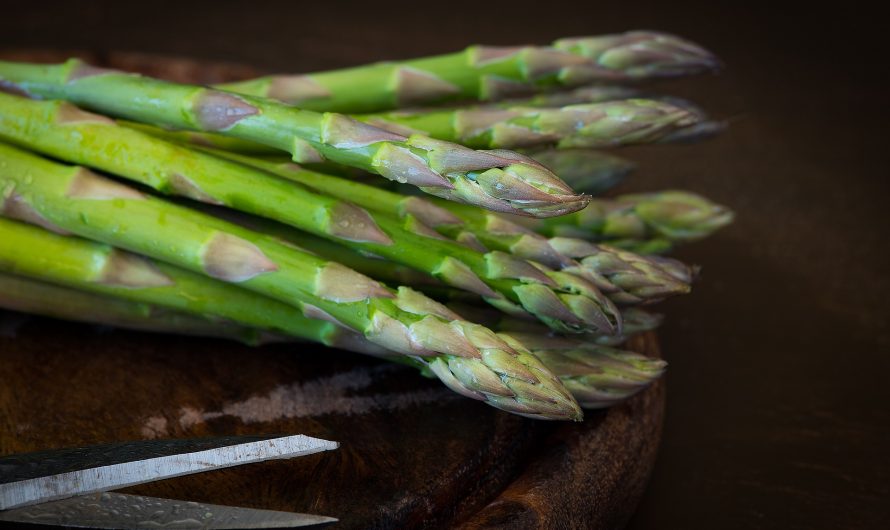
109 272
467 357
610 123
623 277
595 116
65 132
643 222
501 180
36 297
487 73
25 295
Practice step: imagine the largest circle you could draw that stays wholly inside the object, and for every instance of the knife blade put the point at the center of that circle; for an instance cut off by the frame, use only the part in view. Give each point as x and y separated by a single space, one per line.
52 475
119 510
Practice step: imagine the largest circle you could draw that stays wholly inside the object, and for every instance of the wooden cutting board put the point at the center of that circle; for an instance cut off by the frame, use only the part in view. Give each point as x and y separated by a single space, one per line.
412 454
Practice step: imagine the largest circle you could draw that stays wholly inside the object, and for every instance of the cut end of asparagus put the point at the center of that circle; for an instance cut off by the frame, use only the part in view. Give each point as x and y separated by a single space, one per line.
640 54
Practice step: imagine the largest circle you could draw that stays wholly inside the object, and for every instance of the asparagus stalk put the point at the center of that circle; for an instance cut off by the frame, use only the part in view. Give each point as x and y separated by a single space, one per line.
505 281
623 277
486 73
606 124
643 222
586 170
25 295
502 180
105 271
37 297
468 358
597 116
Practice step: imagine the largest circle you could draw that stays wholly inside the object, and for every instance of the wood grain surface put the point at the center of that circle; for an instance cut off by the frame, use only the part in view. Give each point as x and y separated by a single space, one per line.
413 454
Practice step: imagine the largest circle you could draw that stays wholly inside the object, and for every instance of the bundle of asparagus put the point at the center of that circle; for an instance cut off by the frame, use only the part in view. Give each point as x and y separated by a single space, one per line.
508 286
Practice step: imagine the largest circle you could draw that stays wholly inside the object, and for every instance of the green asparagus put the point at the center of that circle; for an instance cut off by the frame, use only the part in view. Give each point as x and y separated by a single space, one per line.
65 132
604 371
500 180
623 277
606 124
486 73
467 357
107 271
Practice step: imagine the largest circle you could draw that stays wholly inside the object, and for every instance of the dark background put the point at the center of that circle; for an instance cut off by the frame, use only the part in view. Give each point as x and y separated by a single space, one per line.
778 386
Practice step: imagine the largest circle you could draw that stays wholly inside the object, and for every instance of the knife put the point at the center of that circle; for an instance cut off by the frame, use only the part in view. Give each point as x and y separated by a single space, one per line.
66 487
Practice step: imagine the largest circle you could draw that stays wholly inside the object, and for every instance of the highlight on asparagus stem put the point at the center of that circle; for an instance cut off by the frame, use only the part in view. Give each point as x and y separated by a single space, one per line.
498 179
